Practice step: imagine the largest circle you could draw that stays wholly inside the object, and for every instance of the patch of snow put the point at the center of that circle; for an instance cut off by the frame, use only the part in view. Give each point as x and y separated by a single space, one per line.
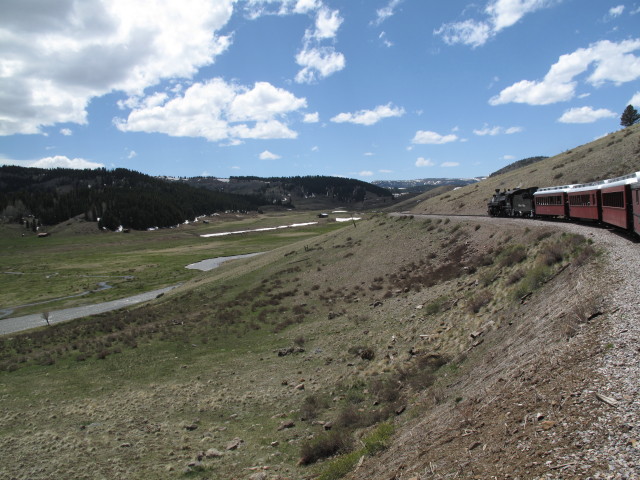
265 229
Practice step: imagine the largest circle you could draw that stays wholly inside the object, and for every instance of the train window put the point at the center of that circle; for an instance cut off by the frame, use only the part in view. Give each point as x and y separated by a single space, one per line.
613 199
580 200
550 200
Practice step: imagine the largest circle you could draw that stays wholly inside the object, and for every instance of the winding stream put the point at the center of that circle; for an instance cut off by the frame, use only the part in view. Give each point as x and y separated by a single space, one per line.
25 322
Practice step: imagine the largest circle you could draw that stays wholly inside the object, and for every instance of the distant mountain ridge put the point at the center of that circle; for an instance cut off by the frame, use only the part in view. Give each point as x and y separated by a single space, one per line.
129 199
424 184
113 198
297 191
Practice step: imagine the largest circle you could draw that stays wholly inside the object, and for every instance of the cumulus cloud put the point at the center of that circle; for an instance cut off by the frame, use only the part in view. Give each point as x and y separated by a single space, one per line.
498 15
84 49
327 24
267 155
366 173
635 100
311 117
613 62
217 110
428 137
67 132
492 131
318 63
585 115
450 164
57 161
369 117
424 162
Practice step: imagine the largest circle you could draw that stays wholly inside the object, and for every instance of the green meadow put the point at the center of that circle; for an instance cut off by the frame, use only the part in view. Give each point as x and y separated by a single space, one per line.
77 258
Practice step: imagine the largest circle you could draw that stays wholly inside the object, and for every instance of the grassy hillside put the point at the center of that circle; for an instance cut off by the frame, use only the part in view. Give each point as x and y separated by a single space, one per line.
611 156
250 362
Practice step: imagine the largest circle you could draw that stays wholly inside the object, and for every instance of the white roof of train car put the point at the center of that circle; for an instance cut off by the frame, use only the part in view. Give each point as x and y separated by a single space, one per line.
632 178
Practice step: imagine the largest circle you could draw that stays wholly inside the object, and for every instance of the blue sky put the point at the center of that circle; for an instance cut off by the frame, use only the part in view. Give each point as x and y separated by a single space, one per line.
369 89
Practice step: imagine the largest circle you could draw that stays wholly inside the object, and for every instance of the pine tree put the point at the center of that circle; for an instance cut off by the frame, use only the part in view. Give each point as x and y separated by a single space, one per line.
629 116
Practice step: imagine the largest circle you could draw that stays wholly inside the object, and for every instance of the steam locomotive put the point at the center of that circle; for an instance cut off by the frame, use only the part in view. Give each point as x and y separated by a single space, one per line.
615 201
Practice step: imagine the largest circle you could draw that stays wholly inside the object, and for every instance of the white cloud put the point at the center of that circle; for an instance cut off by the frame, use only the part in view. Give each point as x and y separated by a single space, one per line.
366 173
217 110
327 24
83 49
67 132
468 32
585 115
132 154
428 137
267 155
613 62
385 12
492 131
369 117
508 157
424 162
304 6
616 11
318 62
635 100
499 14
57 161
505 13
258 8
311 118
450 164
385 41
263 102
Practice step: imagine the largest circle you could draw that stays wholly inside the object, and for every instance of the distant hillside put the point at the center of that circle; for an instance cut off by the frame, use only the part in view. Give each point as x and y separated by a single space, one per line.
423 184
519 164
613 155
115 198
301 192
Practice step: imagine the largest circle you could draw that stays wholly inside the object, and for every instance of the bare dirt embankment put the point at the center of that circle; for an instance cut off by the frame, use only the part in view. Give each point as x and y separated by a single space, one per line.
531 406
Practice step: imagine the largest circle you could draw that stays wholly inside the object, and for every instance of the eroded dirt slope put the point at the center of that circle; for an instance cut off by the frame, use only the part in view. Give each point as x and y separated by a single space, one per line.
551 394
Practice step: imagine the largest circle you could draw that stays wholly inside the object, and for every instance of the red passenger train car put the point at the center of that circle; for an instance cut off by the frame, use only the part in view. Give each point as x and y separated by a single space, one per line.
585 201
616 201
552 201
635 200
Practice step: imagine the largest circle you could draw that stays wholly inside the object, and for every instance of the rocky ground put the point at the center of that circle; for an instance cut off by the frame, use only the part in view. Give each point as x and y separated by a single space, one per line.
536 408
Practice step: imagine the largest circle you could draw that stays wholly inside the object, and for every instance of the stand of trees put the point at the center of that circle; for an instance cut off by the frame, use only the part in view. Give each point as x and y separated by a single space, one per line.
345 190
117 197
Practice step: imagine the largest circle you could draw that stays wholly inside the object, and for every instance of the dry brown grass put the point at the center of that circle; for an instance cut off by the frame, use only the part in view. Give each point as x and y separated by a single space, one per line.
613 155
